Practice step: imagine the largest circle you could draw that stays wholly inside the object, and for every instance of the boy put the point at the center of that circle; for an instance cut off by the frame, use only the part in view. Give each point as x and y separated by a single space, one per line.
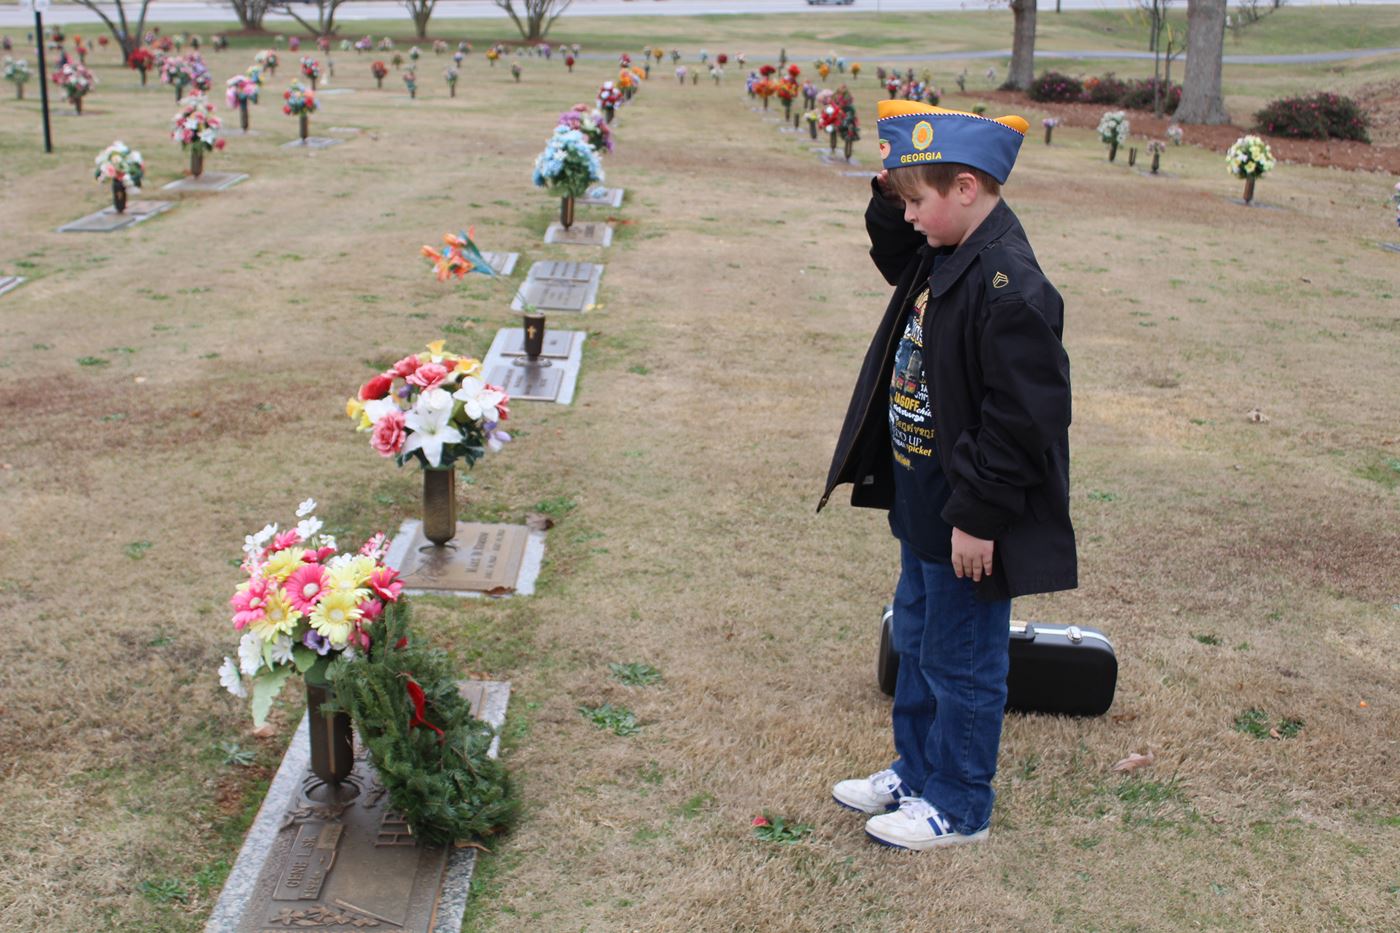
959 427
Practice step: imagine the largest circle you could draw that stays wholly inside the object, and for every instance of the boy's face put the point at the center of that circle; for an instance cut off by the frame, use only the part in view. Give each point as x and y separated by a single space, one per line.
945 219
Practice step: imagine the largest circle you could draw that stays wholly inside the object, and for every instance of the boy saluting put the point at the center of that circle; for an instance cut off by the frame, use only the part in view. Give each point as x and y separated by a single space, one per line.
959 427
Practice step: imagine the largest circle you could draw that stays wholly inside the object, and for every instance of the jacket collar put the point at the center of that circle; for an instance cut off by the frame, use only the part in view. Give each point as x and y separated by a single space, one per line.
946 273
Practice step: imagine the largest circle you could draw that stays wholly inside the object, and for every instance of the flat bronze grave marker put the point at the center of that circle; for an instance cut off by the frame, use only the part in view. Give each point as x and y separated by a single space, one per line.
480 559
580 234
11 282
838 158
346 129
238 131
333 91
1391 247
565 271
603 197
858 174
313 142
108 220
503 263
558 344
528 383
549 295
209 181
349 866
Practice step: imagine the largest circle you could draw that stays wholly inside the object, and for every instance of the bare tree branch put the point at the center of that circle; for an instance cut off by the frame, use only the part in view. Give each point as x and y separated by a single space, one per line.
539 16
126 37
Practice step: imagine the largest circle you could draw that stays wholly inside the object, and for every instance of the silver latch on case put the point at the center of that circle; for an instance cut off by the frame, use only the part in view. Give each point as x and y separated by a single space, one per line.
1074 635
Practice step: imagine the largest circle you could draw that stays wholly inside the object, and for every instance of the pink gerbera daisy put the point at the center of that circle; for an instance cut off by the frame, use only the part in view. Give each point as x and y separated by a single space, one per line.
250 602
285 540
385 583
305 586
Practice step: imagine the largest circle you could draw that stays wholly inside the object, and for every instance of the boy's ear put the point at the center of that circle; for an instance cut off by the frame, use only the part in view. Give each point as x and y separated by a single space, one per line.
968 187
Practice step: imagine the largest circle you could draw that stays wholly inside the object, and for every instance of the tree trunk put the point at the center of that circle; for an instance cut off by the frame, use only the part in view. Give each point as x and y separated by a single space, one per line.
1023 45
1205 45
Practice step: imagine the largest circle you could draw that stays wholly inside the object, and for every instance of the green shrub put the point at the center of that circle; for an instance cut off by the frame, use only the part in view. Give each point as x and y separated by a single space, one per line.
1053 86
1320 116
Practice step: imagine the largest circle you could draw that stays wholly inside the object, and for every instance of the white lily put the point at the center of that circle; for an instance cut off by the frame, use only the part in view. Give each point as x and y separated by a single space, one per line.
479 400
430 425
378 408
250 657
308 527
306 508
229 679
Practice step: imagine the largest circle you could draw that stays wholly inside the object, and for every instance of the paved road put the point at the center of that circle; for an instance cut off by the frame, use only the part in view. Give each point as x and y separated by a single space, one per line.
211 11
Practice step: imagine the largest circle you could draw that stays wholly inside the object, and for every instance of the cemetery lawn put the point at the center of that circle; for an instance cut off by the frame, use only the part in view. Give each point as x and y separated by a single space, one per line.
168 389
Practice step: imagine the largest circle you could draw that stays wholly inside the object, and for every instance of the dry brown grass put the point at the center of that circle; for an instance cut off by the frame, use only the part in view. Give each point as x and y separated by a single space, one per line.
735 311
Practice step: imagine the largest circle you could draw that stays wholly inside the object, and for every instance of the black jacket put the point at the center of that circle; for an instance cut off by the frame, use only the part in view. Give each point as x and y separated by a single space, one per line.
999 388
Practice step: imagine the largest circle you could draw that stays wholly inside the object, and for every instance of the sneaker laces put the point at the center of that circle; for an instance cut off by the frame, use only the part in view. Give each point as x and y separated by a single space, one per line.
885 782
917 808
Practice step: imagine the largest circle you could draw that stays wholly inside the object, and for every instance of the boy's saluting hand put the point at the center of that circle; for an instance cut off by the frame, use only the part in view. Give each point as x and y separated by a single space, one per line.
972 557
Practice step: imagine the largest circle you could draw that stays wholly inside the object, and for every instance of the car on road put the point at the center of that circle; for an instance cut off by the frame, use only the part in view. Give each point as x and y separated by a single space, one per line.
830 2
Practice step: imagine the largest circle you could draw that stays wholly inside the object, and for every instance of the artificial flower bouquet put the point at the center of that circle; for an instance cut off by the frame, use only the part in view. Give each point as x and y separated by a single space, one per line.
432 408
450 74
267 60
17 73
591 124
76 81
196 126
120 163
241 91
1113 128
379 70
410 81
1249 157
298 100
304 604
608 96
458 257
310 70
569 165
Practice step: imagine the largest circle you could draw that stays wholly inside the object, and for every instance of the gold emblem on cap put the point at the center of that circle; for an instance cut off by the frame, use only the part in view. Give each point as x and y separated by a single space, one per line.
1000 280
922 136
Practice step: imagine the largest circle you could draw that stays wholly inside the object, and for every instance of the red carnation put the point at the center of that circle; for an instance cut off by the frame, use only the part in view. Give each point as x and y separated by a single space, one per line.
376 388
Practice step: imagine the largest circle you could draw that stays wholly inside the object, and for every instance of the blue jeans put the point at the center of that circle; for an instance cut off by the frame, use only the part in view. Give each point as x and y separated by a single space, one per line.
951 691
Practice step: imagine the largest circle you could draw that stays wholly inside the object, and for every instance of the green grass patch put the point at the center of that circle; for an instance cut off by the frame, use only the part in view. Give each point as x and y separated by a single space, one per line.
616 719
635 674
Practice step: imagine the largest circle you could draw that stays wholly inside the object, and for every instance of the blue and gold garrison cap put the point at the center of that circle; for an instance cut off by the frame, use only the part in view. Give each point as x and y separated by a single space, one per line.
915 133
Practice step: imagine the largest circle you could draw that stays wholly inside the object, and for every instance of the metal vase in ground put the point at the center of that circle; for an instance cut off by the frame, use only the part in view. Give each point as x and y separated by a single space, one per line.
118 196
197 160
439 505
566 211
332 742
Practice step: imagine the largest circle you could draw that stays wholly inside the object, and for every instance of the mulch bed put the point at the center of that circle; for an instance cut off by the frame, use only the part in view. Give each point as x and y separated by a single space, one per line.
1333 153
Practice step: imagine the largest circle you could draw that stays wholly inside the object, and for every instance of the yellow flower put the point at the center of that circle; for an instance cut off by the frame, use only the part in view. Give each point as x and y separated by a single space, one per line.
279 618
283 564
354 408
435 348
468 366
352 575
334 616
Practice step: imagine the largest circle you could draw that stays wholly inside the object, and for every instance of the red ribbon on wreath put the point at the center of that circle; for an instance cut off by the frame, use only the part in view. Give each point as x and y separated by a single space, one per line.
415 693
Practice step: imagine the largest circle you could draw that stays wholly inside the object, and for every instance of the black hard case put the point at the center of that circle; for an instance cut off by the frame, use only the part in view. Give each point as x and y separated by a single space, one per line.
1068 670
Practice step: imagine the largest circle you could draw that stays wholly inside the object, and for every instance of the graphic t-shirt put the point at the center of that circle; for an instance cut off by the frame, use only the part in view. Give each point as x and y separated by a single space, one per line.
920 488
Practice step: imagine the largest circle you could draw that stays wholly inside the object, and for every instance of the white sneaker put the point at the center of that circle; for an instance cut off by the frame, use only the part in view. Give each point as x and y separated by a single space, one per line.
917 825
879 793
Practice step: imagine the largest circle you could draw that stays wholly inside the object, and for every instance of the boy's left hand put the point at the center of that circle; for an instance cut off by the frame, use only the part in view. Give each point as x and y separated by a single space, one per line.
972 557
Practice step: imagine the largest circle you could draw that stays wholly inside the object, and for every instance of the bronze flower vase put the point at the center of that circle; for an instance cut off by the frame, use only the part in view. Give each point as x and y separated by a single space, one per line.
608 112
439 505
379 82
305 120
143 76
1049 131
243 114
1132 156
1249 191
451 90
332 742
1113 150
850 143
313 83
566 211
118 196
787 110
765 101
1156 162
78 105
812 128
197 160
833 139
19 90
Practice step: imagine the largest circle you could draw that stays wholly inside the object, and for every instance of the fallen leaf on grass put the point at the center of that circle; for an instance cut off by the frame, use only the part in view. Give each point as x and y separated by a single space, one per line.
538 521
266 731
1257 416
1133 762
1123 717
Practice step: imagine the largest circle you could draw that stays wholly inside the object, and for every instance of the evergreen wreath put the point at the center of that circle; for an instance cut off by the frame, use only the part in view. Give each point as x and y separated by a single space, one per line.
428 748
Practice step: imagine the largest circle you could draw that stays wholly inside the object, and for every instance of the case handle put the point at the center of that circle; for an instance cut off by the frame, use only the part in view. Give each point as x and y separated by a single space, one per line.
1022 631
